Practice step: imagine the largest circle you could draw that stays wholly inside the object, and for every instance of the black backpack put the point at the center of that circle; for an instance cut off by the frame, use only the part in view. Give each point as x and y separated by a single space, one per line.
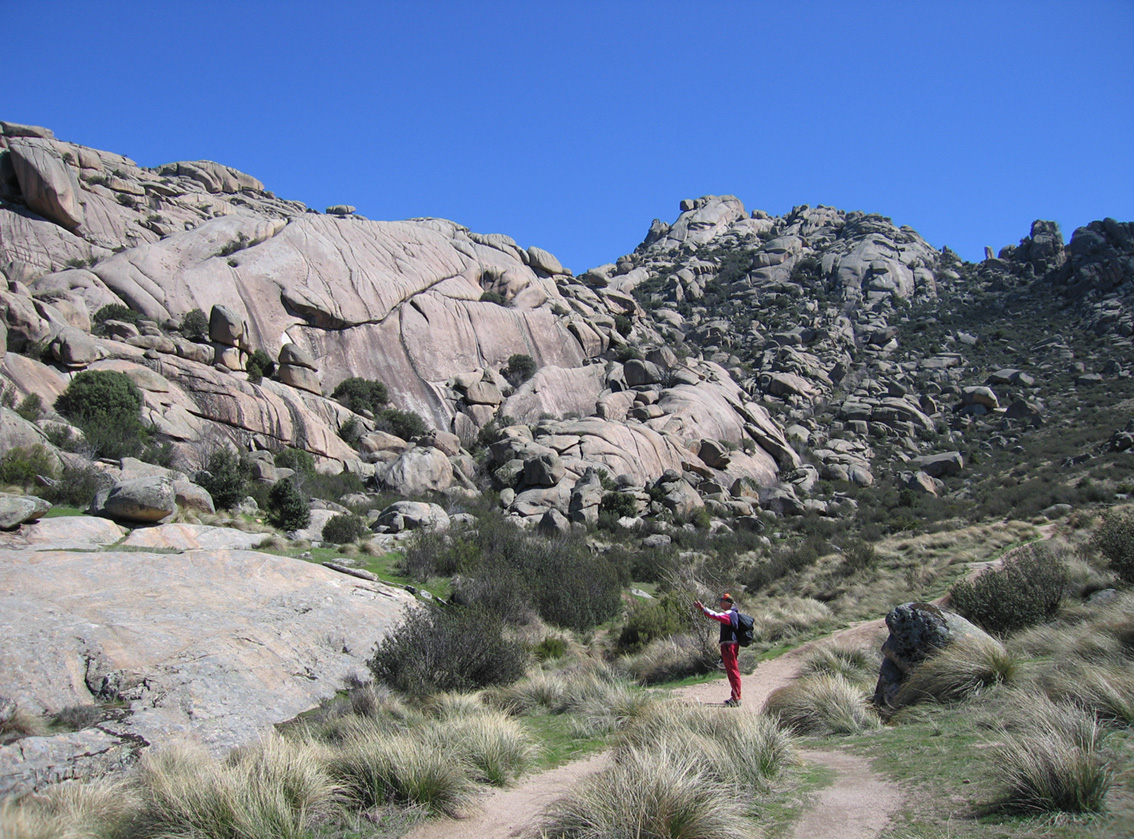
745 629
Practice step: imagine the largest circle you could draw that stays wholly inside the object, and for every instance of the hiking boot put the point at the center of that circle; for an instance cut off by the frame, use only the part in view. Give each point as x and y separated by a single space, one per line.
732 703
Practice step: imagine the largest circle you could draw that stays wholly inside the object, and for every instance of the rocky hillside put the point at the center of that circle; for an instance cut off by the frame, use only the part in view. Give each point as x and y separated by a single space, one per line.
735 362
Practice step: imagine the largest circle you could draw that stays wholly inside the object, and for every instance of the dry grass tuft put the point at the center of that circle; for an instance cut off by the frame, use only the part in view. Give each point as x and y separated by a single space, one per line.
743 750
376 769
823 704
858 665
962 670
1106 689
275 790
1053 765
21 723
100 809
494 747
671 658
650 792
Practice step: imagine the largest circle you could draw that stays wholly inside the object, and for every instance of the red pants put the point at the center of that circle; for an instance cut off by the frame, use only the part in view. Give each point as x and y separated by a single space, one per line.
732 668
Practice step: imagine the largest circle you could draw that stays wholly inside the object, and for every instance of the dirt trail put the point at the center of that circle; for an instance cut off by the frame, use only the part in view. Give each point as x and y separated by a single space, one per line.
858 805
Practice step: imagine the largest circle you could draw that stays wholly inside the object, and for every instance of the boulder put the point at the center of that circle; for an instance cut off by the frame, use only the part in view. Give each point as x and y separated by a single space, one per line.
47 183
941 465
419 470
544 470
412 515
296 356
75 348
137 500
15 510
301 378
917 631
226 326
553 523
190 496
586 498
640 373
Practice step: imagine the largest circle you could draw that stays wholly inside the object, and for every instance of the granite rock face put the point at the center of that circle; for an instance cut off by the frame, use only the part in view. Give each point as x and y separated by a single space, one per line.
214 641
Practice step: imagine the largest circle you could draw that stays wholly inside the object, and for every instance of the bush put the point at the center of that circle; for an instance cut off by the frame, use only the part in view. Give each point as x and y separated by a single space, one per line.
30 407
619 504
300 461
1028 590
1114 539
519 369
287 509
494 297
77 486
448 650
360 394
195 326
823 704
107 406
655 619
259 365
557 577
115 311
351 432
344 528
404 424
225 478
22 466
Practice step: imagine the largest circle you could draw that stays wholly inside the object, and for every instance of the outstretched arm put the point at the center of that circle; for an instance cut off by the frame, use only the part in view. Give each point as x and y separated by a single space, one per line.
721 617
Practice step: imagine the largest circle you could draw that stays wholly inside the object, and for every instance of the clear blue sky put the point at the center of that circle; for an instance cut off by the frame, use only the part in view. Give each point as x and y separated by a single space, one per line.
572 125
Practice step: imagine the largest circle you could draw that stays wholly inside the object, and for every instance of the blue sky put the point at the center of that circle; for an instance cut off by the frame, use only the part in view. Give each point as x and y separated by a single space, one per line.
571 126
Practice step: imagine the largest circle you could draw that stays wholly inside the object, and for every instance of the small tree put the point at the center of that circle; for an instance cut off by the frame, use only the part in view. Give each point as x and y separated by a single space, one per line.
225 478
1026 591
287 509
360 394
1114 539
344 528
520 368
107 406
195 326
259 364
404 424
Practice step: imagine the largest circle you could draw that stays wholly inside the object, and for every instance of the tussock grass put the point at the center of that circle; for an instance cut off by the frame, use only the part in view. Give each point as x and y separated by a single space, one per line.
278 788
787 617
823 704
559 691
858 665
1054 764
100 809
453 705
494 747
744 750
377 770
959 671
1107 688
671 658
650 793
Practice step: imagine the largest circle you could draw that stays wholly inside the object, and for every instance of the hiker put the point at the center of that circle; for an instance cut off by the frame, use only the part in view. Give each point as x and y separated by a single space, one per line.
730 645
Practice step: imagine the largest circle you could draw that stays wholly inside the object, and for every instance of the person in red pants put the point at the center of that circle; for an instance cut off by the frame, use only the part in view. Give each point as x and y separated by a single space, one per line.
727 617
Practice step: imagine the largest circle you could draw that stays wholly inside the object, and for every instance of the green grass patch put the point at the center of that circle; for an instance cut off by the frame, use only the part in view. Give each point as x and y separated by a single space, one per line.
559 740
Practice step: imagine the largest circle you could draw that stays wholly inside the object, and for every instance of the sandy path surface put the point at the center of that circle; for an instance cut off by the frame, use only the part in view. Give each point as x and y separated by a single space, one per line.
512 812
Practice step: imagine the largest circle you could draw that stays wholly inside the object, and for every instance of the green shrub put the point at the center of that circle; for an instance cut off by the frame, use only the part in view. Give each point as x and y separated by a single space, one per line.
287 509
448 650
30 407
432 553
655 619
351 432
404 424
195 326
258 366
559 578
300 461
494 297
116 311
1114 539
519 369
360 394
107 406
22 466
344 528
623 324
1028 590
225 478
331 487
77 486
619 504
